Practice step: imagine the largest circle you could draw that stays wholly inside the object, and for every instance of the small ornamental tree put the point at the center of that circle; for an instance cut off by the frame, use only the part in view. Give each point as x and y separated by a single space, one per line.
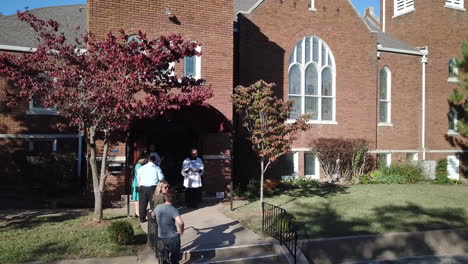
459 96
264 117
101 89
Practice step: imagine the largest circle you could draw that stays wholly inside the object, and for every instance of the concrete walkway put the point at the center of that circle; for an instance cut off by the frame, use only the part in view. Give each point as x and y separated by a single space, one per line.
207 228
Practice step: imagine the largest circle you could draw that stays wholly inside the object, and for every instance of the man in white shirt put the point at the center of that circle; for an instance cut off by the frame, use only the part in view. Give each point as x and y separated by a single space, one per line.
192 170
148 177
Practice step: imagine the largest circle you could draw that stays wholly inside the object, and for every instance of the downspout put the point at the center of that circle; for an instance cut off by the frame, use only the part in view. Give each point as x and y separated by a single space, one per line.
377 96
80 154
425 53
383 16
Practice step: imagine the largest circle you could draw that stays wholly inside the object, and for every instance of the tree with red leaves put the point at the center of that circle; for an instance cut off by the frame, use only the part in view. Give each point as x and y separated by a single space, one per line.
264 118
102 88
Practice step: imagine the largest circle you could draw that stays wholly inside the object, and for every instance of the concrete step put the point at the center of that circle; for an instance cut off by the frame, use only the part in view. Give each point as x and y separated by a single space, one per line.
246 254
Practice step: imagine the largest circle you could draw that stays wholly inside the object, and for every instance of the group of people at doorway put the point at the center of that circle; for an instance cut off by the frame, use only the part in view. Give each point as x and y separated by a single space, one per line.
150 187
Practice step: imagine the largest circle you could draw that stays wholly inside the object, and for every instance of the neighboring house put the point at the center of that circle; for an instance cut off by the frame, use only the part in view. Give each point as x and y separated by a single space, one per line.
29 129
386 81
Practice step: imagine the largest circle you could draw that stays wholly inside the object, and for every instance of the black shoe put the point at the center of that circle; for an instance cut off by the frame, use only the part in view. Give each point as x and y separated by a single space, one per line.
143 220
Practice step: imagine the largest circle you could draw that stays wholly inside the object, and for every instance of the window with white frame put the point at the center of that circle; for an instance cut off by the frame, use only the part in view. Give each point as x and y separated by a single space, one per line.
384 159
452 120
453 167
312 77
453 70
401 7
456 4
385 102
312 5
311 166
40 146
411 156
192 65
37 108
289 165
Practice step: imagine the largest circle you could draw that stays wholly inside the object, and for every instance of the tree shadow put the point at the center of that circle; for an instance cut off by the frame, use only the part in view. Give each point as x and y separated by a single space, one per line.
52 248
30 219
323 221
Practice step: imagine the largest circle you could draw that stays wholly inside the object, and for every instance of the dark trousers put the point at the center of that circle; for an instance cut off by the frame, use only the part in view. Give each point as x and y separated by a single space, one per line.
173 245
146 196
193 197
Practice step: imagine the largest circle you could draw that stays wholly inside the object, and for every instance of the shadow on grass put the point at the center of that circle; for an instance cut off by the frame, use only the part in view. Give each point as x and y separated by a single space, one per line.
318 221
323 190
34 219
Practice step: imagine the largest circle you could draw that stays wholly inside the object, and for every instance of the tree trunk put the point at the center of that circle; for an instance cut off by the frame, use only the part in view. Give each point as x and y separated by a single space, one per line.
91 144
262 172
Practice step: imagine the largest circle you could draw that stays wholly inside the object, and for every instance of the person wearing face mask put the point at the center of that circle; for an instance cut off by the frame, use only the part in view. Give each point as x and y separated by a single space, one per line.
192 170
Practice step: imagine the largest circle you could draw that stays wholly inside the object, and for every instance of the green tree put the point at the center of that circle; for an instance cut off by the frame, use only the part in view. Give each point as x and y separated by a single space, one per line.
264 118
459 96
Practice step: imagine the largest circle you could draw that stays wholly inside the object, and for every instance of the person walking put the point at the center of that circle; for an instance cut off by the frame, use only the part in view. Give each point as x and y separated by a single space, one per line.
170 226
160 192
149 175
192 170
135 195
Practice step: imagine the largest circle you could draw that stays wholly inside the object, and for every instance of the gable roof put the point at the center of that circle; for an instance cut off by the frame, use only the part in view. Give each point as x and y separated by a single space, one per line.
388 42
14 32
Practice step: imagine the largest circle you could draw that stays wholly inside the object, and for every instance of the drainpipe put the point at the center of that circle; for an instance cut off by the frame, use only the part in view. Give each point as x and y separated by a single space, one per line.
425 53
80 153
383 16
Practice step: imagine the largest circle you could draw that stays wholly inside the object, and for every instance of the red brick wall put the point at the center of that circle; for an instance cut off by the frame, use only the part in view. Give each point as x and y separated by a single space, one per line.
405 132
268 35
442 30
209 22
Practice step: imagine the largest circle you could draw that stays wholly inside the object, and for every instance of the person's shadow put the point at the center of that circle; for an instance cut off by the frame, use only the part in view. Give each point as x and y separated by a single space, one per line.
210 237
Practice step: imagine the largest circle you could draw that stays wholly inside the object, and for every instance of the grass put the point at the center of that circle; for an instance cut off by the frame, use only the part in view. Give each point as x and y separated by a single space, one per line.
364 209
70 235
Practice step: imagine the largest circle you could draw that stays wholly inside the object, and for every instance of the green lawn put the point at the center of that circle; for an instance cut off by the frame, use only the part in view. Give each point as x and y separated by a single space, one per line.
364 209
71 235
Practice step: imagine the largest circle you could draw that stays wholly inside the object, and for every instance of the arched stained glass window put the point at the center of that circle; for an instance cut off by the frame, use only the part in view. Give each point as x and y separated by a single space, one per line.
312 80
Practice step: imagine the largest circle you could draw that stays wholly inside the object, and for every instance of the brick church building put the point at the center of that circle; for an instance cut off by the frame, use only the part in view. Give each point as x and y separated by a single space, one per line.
386 80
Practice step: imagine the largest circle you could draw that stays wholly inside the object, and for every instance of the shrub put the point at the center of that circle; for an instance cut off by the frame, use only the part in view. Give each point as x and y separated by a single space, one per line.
442 175
298 183
121 232
364 179
270 185
343 158
397 173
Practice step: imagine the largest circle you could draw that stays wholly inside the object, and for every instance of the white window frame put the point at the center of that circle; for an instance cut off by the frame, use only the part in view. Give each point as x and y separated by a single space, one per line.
31 143
455 4
412 156
388 158
316 175
34 110
451 160
408 7
197 64
312 6
389 98
453 78
453 131
320 67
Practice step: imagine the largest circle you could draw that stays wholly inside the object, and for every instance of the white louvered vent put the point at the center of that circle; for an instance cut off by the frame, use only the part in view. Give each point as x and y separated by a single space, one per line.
455 3
403 6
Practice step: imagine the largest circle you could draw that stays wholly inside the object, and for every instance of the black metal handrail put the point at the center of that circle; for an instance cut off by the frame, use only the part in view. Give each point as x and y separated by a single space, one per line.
277 223
161 251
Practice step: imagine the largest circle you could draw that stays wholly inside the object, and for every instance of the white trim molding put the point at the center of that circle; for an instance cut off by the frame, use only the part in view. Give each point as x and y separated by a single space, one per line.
447 151
35 136
400 51
393 151
17 48
251 9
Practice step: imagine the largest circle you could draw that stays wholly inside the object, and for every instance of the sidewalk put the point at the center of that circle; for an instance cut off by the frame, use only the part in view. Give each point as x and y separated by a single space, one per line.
206 228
